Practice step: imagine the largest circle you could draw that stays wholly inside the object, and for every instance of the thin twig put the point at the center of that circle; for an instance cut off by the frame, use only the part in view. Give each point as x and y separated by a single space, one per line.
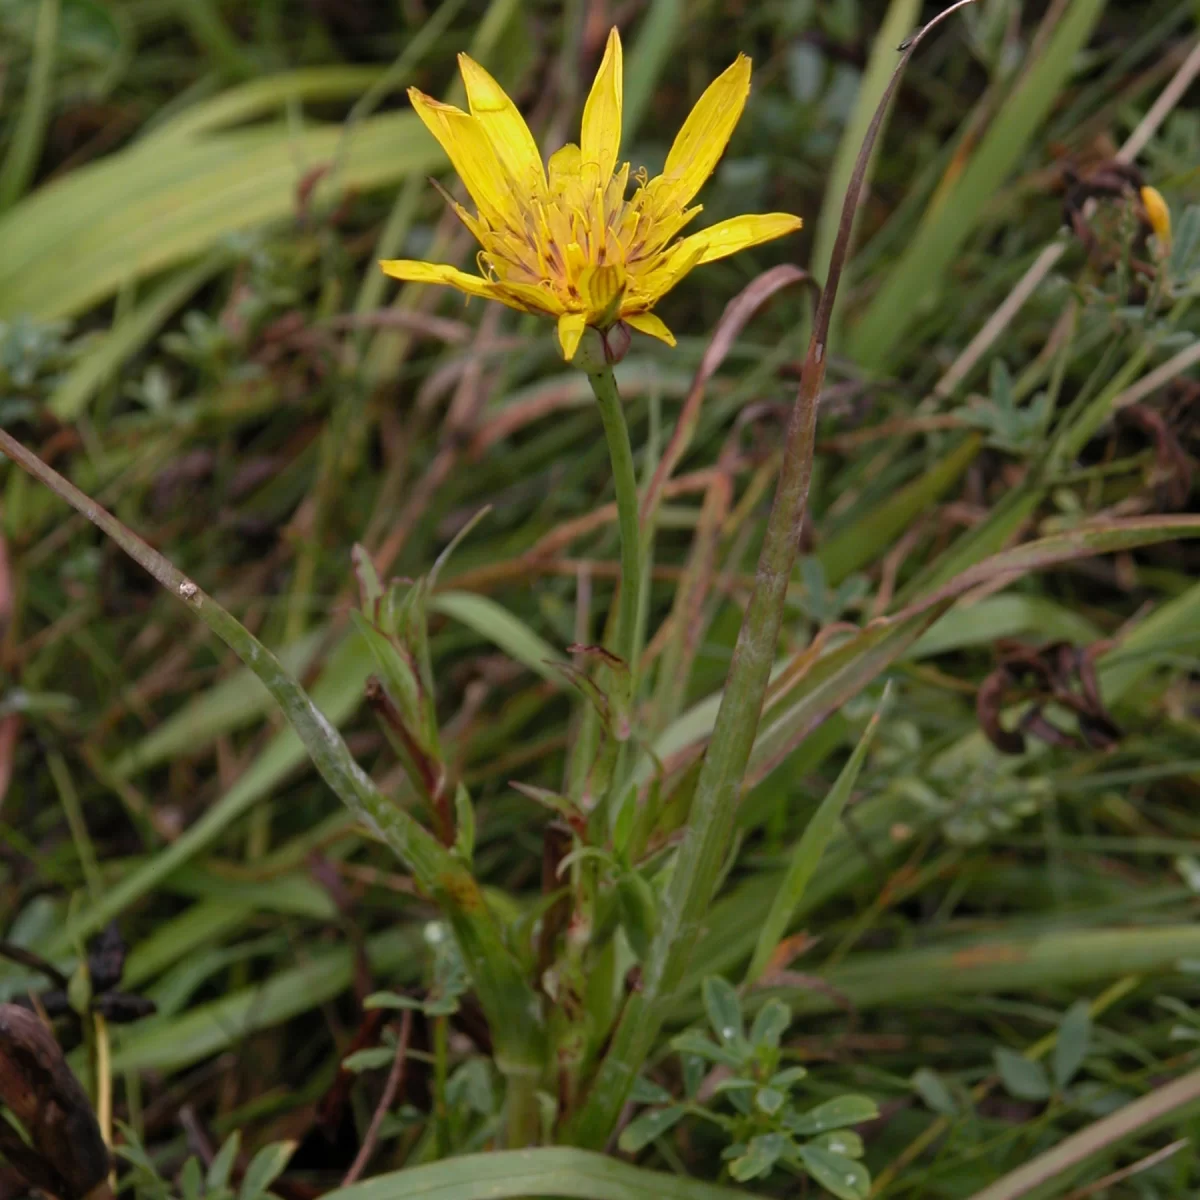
1176 365
1168 98
390 1090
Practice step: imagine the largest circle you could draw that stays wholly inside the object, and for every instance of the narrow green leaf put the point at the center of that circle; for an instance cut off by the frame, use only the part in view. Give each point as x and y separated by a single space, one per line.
808 852
693 1042
337 693
647 1126
656 42
1074 1037
206 1029
724 1010
239 699
495 623
265 1167
220 1170
262 97
372 1059
983 621
33 113
646 1091
635 903
191 1180
390 1000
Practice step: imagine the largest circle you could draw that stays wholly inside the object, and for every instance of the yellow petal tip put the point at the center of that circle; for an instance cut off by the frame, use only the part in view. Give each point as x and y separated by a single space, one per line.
1158 214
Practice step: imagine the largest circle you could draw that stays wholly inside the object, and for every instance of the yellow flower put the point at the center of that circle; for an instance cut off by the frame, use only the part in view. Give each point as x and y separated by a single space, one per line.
567 242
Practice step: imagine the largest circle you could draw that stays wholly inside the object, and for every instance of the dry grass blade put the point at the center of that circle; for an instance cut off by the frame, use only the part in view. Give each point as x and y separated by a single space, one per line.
1175 1101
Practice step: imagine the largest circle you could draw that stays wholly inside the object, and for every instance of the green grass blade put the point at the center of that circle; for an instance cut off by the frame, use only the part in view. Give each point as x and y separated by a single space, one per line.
981 622
1066 957
148 208
197 926
902 16
494 622
262 97
34 112
808 853
207 1029
657 40
551 1171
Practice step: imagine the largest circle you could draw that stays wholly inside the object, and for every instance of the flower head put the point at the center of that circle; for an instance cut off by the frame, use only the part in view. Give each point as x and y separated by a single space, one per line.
564 240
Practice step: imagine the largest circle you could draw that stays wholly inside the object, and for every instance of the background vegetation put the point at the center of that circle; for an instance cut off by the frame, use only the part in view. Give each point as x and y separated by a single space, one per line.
997 950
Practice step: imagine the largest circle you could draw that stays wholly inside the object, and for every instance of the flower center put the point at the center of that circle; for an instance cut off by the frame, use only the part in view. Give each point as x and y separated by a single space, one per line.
580 238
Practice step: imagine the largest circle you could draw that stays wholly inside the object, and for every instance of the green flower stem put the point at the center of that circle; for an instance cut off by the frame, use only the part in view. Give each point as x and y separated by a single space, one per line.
616 432
624 639
509 1002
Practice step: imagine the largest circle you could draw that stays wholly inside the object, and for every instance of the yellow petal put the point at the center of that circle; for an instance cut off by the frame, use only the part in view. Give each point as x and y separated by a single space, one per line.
528 297
739 233
422 272
703 138
717 241
648 288
471 153
649 323
570 330
600 139
504 125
